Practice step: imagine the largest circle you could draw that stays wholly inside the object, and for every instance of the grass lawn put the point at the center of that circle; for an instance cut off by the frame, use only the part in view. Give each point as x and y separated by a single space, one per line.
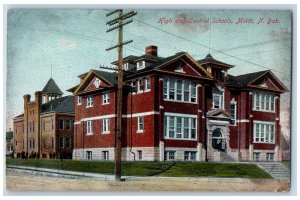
170 169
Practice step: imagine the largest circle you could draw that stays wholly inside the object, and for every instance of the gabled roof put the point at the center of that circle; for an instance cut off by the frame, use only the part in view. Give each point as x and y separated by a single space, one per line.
51 88
218 113
246 80
110 78
62 105
209 59
9 135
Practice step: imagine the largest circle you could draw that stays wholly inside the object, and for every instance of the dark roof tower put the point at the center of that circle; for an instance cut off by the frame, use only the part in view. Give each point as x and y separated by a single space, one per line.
51 91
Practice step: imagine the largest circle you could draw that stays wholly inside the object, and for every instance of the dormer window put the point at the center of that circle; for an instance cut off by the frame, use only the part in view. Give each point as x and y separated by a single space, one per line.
140 65
125 66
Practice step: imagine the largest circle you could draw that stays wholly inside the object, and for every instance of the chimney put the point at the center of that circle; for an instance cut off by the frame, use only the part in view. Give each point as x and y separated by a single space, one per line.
26 98
38 98
151 50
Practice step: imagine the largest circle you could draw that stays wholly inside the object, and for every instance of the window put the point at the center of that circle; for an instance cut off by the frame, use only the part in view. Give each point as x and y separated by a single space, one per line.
105 125
140 65
89 155
189 155
61 124
256 156
193 155
233 112
133 86
79 100
193 92
193 128
17 143
61 142
148 85
89 101
218 101
263 101
179 90
105 98
169 155
68 142
68 124
105 155
33 143
270 157
179 127
140 155
140 124
263 132
43 125
140 85
89 127
52 124
125 66
186 155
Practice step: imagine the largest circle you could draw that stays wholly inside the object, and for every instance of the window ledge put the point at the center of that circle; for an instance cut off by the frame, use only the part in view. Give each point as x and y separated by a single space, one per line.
140 131
180 101
106 132
89 106
89 134
105 103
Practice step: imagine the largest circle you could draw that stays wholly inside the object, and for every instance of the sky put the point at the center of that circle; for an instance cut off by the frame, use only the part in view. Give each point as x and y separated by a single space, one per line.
73 41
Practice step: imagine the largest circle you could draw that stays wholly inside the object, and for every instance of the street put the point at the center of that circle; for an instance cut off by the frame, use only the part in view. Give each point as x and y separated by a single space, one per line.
19 180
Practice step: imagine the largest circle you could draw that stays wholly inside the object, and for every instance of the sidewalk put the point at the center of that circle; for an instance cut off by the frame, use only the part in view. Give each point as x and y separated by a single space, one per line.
17 179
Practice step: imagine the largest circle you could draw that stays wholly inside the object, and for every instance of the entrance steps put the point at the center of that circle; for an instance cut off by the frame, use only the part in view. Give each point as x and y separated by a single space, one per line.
225 158
275 169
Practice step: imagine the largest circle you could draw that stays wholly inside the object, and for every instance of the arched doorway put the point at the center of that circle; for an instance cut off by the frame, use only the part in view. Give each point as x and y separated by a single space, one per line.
218 141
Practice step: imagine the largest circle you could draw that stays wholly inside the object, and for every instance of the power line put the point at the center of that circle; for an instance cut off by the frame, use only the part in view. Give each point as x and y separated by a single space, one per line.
247 61
71 34
254 44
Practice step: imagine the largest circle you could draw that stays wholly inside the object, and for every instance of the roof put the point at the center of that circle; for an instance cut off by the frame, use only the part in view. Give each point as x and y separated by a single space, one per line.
63 104
52 88
210 59
159 63
243 80
19 116
9 135
72 89
127 58
111 77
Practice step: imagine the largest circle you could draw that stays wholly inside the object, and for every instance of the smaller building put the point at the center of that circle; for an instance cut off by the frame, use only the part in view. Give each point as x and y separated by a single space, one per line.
45 129
9 143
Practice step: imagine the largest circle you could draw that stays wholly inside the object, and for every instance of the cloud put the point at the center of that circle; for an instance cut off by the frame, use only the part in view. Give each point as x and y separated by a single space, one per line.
67 44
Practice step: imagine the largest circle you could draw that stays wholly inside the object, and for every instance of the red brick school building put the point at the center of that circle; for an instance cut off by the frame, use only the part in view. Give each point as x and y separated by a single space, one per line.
178 108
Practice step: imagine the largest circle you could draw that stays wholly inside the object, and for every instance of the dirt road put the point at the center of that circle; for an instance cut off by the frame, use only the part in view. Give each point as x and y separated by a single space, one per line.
26 181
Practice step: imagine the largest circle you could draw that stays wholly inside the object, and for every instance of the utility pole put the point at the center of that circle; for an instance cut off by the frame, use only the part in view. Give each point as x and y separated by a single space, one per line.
118 132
